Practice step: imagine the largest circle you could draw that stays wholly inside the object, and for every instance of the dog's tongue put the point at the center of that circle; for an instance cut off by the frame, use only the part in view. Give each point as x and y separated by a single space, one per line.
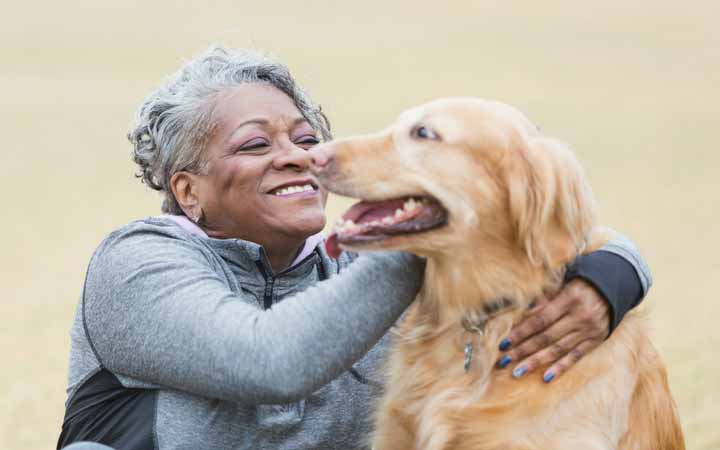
366 211
332 247
360 212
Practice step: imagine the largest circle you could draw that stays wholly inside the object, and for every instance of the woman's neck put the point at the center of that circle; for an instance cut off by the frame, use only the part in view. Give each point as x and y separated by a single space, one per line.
281 251
281 256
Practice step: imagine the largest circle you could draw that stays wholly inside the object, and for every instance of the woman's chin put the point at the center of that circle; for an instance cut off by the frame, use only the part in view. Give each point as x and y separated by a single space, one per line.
306 226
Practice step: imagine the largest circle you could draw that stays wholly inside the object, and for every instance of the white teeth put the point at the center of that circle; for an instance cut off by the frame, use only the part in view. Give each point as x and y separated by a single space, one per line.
387 220
294 189
410 204
398 213
343 226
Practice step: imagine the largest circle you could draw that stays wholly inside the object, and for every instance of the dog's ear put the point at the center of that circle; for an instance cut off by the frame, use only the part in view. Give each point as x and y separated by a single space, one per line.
550 199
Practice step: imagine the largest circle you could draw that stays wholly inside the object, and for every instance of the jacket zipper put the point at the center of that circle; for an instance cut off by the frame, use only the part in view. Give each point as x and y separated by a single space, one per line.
269 283
267 297
322 275
270 279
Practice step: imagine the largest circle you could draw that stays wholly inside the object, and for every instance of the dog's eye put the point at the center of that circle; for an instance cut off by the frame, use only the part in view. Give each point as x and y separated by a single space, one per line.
423 132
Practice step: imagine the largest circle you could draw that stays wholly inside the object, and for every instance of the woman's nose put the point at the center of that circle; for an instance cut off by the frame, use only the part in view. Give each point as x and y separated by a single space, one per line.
294 157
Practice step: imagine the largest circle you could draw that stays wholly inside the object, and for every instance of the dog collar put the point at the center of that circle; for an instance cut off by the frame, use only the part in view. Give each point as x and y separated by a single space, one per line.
474 324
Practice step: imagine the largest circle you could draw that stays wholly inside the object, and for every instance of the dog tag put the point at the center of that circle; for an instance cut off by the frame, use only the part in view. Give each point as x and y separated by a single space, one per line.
468 355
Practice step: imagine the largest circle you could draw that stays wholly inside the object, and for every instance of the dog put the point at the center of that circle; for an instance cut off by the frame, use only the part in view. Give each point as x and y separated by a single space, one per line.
498 210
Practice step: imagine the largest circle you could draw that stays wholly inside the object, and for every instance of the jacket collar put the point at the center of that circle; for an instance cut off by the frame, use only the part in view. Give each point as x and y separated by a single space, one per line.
255 252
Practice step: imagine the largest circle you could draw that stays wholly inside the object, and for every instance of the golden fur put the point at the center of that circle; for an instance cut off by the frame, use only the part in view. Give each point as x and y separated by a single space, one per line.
519 211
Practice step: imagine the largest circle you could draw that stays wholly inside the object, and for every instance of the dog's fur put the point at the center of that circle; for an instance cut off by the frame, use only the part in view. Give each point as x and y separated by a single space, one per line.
519 210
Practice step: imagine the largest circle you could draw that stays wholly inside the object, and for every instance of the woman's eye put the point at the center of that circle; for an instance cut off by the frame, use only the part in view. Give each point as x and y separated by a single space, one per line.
254 144
309 140
423 132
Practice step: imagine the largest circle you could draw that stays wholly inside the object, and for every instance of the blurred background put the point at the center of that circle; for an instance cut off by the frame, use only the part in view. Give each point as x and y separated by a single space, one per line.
633 86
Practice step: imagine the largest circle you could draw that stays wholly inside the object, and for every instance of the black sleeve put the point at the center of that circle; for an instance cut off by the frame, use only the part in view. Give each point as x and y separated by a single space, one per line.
613 277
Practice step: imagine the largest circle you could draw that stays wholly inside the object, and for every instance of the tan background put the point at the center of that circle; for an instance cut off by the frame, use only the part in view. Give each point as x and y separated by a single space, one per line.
633 88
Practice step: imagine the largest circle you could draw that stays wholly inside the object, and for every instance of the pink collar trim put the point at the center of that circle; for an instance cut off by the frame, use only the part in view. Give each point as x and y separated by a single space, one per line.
187 225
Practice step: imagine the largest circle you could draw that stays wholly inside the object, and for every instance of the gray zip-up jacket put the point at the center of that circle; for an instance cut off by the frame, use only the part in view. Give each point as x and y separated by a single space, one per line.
182 341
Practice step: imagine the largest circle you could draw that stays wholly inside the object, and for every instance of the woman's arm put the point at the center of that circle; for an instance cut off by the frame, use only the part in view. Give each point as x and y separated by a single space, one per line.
155 310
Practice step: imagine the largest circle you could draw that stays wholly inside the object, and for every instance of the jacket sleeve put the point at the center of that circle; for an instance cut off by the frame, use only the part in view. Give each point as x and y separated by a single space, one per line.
155 310
618 272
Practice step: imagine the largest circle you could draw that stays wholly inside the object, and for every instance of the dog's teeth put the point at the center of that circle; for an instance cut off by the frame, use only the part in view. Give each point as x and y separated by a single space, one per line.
387 220
398 213
410 204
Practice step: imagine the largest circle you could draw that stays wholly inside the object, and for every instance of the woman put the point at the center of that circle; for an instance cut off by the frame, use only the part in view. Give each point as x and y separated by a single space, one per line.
209 328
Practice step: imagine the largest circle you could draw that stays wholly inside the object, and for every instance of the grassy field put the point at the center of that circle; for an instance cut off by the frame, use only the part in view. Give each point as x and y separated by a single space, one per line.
635 89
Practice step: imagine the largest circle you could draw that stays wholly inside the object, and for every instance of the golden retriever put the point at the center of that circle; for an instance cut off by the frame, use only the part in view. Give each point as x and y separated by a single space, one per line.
498 210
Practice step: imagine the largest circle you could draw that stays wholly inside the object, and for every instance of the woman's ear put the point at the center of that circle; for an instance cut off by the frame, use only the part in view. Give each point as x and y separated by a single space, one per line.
549 199
185 189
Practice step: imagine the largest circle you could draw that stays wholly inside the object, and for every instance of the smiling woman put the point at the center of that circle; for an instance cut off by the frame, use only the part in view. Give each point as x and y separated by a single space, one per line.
224 324
256 183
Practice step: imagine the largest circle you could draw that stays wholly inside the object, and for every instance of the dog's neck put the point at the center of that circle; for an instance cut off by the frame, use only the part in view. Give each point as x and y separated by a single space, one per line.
469 284
474 301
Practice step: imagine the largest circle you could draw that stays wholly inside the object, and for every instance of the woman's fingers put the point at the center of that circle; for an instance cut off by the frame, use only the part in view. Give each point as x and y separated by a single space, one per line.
559 331
548 355
539 302
542 345
572 357
539 318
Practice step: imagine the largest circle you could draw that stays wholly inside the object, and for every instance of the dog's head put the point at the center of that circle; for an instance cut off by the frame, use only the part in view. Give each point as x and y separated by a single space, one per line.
455 173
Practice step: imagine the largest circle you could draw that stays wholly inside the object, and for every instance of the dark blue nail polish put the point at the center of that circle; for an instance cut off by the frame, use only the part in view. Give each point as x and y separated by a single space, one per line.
504 361
548 377
505 344
519 371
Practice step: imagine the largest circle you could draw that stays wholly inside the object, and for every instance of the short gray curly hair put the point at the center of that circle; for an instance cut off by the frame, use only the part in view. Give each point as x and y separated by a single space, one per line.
174 122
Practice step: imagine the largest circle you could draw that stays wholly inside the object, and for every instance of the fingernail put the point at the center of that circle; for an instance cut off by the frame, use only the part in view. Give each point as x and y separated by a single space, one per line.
504 361
505 344
548 377
519 371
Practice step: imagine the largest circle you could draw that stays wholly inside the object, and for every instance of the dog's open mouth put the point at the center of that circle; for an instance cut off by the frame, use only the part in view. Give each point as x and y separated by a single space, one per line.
367 221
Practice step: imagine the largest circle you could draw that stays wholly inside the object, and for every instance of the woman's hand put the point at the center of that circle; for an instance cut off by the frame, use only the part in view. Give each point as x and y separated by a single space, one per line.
560 330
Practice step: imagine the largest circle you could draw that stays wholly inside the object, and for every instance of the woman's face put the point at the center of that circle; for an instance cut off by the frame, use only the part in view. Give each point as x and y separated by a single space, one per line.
257 185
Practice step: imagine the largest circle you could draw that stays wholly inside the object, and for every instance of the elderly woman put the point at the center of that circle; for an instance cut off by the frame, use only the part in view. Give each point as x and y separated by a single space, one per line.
223 324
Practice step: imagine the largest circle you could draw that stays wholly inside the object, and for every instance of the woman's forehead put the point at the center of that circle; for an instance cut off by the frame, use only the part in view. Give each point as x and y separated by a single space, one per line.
255 103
